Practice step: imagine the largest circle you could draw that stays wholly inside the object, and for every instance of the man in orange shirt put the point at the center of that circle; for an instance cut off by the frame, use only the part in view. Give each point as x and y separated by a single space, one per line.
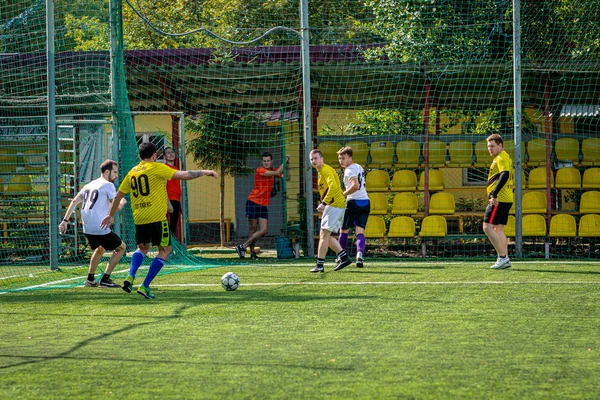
174 193
258 200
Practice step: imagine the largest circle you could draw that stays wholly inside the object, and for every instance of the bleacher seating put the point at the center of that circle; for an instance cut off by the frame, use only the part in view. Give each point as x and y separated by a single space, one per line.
563 225
590 203
482 155
377 180
404 180
537 178
437 153
534 225
433 226
461 153
442 203
436 180
402 227
375 227
329 149
589 225
568 178
405 203
382 155
408 154
379 203
591 178
509 228
8 161
19 185
509 147
536 152
534 203
590 148
360 151
567 149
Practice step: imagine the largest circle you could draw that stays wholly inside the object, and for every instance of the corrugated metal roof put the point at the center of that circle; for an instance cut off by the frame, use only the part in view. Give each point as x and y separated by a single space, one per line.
580 110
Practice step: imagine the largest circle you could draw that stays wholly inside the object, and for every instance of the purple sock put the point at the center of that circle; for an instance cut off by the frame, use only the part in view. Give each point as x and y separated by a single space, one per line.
360 243
136 260
343 240
154 269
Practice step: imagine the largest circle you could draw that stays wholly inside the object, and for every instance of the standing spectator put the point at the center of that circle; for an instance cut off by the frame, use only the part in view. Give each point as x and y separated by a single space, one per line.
500 195
174 194
146 183
332 206
358 205
97 197
257 203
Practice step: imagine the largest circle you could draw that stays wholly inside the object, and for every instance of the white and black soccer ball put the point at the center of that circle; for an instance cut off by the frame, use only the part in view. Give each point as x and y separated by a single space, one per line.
230 281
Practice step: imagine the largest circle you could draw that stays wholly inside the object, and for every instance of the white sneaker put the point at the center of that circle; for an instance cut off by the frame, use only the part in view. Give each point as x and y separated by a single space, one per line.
501 263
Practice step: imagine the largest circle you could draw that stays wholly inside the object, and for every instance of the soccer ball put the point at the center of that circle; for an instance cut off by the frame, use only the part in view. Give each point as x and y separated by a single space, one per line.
230 281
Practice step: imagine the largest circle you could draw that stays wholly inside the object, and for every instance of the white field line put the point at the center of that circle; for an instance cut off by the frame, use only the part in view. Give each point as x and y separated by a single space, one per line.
384 283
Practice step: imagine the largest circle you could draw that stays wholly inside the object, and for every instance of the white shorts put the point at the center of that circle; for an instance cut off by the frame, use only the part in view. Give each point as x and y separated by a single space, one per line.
332 219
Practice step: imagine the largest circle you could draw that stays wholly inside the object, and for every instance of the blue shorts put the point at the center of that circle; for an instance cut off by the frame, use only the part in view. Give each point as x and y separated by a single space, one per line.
256 211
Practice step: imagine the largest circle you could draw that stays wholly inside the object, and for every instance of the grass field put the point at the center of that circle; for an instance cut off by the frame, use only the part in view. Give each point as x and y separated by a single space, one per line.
394 330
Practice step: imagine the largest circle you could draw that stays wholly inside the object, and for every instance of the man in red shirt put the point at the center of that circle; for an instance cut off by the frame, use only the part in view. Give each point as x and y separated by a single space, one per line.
258 200
174 193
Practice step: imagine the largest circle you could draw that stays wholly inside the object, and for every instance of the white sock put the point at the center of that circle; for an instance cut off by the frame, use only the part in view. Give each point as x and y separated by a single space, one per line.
359 255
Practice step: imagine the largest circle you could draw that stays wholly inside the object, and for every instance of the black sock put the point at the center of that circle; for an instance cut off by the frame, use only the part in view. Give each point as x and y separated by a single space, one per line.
321 262
502 256
105 277
91 277
342 255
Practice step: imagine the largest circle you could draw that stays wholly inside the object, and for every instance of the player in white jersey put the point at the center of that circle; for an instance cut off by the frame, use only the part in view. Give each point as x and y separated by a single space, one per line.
358 205
96 198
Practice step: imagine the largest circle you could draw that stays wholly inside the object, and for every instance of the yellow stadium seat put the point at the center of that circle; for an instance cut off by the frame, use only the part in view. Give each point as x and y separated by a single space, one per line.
402 227
404 180
329 148
35 159
360 151
591 178
509 147
437 153
509 228
8 163
19 185
433 226
379 203
523 180
589 225
563 225
377 181
590 203
461 153
590 148
405 203
534 203
442 203
382 155
482 155
436 180
534 225
567 149
568 178
408 153
536 151
537 178
375 227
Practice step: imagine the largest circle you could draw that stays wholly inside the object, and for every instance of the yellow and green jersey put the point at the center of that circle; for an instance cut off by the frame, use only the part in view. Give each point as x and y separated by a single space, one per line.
330 188
502 162
146 184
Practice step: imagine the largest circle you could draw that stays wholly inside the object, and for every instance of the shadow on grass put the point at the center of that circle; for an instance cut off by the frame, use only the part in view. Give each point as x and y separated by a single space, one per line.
553 271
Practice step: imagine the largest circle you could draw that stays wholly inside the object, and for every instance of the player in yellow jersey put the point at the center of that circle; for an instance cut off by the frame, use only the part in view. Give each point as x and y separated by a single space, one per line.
332 206
500 195
147 189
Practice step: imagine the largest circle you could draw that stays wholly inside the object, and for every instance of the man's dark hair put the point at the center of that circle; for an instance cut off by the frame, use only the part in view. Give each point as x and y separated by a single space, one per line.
266 154
345 150
146 150
496 138
107 165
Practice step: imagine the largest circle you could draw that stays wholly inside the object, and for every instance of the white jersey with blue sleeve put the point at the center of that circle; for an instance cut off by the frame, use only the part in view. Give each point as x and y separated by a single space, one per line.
356 171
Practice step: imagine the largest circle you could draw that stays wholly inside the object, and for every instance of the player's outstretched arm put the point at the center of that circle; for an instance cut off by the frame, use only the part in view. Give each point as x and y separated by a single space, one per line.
62 227
279 170
189 175
114 206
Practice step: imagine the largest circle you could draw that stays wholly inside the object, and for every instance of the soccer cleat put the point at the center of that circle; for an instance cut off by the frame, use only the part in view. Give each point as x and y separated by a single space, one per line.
109 284
501 263
343 263
359 263
241 250
89 283
253 256
318 268
128 284
144 291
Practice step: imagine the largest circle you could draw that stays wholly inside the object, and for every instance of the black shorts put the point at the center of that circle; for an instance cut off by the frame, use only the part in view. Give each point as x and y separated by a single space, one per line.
156 233
497 215
110 241
256 211
356 215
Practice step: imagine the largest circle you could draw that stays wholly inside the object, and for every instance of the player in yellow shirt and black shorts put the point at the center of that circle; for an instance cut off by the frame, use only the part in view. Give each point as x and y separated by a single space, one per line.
146 185
333 204
500 195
